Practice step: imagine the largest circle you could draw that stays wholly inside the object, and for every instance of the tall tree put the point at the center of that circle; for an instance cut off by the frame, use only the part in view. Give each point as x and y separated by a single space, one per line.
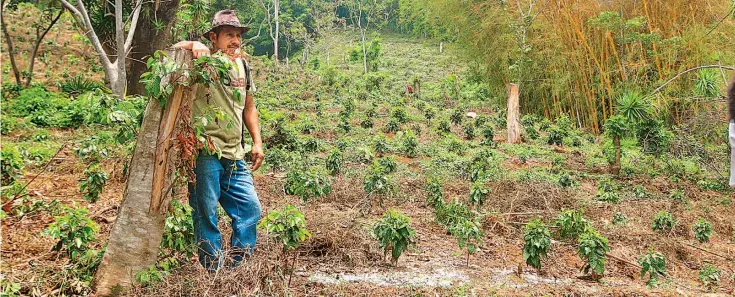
364 14
154 33
114 70
274 6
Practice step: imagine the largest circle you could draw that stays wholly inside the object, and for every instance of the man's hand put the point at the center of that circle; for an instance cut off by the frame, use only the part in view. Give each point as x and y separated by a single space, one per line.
196 47
258 156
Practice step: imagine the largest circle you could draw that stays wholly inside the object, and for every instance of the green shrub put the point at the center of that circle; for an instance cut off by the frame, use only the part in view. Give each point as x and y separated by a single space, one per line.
12 165
380 145
468 235
653 137
571 224
392 126
344 124
607 191
444 127
8 288
489 133
307 184
288 226
663 221
654 264
91 186
366 123
566 180
478 194
457 116
619 218
394 233
678 196
456 146
555 136
537 238
178 232
529 120
74 230
593 249
452 214
334 162
434 192
388 164
410 144
469 132
702 230
430 113
531 133
377 179
399 114
709 275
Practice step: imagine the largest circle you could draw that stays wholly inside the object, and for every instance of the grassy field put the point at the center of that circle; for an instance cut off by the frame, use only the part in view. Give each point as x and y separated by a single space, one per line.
368 148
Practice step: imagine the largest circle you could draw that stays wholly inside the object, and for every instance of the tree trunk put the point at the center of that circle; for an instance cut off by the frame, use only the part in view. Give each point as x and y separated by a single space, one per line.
34 51
9 42
147 40
118 86
364 51
616 166
136 234
275 39
513 122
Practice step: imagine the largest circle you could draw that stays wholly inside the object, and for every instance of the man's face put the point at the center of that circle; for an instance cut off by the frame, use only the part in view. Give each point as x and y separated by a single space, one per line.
228 39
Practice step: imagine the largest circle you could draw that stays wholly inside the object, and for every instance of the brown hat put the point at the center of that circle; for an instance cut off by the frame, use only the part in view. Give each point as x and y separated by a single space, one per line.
225 17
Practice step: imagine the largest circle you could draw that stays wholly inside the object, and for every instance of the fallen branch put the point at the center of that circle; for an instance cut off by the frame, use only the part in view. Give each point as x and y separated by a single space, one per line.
6 205
687 71
708 251
624 261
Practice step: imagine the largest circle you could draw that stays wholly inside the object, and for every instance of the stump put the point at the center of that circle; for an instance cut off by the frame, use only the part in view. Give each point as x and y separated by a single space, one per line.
513 121
136 234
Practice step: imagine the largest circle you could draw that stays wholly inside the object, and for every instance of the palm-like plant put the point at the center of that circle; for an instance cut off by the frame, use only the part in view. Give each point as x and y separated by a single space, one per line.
633 107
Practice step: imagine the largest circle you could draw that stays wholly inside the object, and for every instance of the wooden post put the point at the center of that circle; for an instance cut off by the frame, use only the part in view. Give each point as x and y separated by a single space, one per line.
513 122
136 234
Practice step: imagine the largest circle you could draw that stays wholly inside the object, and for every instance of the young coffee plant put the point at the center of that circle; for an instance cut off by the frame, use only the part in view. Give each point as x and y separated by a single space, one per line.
619 218
663 221
380 145
452 214
537 238
429 113
399 114
468 235
74 230
388 164
91 186
457 116
307 184
394 233
555 136
444 127
566 180
434 192
478 194
709 275
678 196
593 249
571 224
392 126
702 230
410 144
607 192
334 162
488 132
654 264
178 233
469 131
531 133
287 226
12 165
344 124
367 123
377 180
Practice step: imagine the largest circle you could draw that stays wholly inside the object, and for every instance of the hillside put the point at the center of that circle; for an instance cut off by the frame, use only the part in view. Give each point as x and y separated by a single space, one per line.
392 151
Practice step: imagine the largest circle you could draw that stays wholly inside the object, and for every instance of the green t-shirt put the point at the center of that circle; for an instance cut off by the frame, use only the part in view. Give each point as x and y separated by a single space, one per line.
221 111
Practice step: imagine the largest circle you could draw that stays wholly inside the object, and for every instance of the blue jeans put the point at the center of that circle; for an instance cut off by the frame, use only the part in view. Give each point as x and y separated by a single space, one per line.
231 184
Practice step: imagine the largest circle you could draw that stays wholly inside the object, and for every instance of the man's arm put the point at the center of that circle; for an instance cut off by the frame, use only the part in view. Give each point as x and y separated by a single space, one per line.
250 118
196 47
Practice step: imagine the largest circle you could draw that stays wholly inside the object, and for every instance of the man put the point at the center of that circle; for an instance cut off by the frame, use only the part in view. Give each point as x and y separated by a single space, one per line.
225 178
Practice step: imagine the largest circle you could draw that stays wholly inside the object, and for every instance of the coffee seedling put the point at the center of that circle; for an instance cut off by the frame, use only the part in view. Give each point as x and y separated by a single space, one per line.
654 264
537 238
663 222
593 249
702 230
394 233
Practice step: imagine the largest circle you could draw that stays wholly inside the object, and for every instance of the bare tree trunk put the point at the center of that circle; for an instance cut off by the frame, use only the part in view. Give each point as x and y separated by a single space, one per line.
147 40
513 122
275 40
34 51
364 51
9 42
